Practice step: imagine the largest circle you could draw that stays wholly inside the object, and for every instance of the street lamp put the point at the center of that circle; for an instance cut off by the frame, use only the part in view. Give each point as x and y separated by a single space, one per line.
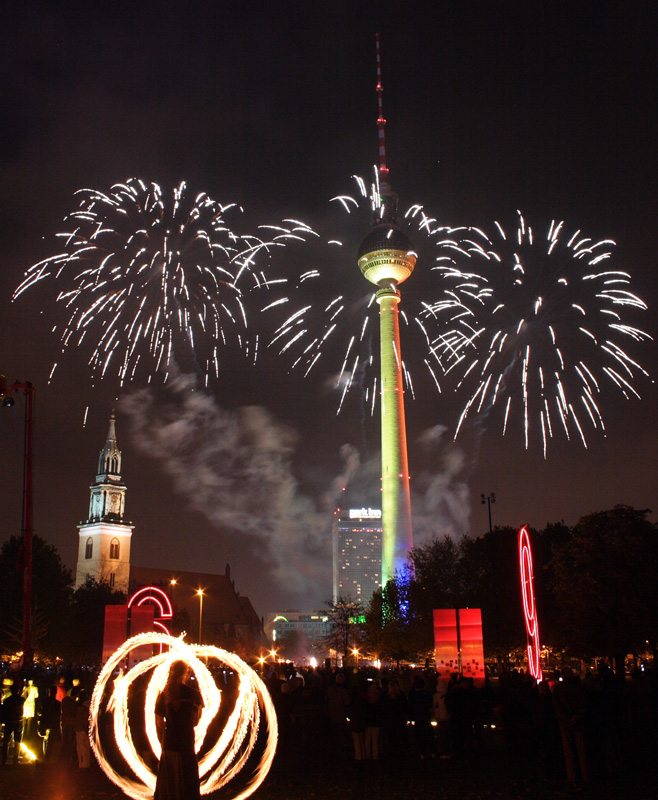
489 499
200 595
8 402
355 653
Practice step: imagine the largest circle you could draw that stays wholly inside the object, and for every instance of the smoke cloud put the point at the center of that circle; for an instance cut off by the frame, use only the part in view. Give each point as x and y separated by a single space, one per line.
235 468
440 497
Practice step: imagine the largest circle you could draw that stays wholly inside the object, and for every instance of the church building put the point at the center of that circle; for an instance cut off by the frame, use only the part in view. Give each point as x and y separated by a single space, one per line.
207 604
104 540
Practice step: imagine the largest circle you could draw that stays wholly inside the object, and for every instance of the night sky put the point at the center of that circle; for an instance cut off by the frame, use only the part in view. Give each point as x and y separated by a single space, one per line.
546 107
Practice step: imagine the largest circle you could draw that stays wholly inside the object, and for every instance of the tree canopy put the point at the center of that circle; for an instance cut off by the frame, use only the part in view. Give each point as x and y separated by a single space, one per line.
595 588
51 590
604 583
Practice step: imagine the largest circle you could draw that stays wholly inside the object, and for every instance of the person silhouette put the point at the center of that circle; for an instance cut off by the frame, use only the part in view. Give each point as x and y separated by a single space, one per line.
178 711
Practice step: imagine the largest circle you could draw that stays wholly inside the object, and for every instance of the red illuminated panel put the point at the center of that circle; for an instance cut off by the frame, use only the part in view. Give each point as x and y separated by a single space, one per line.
529 607
472 648
115 631
445 640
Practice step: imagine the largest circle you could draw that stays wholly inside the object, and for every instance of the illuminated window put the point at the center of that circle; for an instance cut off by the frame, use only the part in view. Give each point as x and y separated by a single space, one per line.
89 549
114 548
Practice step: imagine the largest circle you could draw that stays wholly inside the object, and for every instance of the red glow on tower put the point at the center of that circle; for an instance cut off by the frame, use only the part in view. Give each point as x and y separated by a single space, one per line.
381 121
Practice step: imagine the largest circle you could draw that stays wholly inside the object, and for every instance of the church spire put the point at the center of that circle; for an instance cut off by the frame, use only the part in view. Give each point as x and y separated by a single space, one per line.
109 460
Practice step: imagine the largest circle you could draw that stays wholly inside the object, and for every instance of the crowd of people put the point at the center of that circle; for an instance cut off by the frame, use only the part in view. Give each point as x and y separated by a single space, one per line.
573 728
45 719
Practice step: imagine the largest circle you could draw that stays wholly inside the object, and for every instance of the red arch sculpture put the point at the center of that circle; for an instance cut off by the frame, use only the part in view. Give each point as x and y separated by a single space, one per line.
158 598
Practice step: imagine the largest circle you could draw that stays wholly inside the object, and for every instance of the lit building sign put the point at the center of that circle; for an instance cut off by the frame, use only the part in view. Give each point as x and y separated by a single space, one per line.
365 513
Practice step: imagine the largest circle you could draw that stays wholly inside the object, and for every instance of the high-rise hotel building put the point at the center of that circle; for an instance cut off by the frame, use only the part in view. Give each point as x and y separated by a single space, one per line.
357 553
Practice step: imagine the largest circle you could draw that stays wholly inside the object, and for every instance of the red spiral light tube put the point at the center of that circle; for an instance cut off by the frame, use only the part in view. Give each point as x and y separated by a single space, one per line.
529 605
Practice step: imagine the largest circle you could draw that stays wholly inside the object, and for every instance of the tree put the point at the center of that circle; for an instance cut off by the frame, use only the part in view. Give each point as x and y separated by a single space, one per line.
489 580
86 621
604 580
51 593
347 624
394 631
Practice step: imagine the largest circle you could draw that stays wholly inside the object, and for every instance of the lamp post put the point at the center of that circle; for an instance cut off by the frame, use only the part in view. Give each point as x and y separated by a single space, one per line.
489 499
200 595
27 526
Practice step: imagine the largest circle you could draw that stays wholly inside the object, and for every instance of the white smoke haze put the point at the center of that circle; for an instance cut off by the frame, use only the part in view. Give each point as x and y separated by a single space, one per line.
351 461
440 497
235 468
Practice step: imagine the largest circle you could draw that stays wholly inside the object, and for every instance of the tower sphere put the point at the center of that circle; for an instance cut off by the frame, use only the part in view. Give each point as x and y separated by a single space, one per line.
386 255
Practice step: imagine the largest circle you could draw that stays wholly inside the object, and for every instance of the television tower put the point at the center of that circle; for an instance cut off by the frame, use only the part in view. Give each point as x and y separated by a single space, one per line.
386 258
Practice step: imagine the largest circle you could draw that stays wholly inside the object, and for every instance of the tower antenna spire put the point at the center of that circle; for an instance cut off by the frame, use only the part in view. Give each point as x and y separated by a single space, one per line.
381 123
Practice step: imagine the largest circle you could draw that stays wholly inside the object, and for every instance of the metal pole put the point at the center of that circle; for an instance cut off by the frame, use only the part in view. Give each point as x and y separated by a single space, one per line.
28 530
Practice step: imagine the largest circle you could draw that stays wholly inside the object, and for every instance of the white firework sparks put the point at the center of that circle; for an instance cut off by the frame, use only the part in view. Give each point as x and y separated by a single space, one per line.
539 329
143 278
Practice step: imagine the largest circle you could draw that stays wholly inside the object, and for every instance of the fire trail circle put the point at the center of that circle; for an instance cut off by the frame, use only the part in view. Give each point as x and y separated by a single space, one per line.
228 751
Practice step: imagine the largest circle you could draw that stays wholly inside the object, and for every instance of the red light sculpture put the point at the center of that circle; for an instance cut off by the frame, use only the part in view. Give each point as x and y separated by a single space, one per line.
529 606
158 598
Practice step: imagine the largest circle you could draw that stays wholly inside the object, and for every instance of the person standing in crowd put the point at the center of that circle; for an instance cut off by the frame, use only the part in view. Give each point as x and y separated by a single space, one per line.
569 702
420 712
12 717
441 716
69 713
30 695
49 723
394 723
82 731
358 712
338 699
373 720
178 711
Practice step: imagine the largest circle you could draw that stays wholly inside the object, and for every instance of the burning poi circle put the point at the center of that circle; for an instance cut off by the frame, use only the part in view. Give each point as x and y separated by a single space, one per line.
232 747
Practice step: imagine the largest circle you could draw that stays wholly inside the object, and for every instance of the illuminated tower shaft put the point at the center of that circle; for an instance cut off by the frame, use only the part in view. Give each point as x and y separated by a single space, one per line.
386 259
396 504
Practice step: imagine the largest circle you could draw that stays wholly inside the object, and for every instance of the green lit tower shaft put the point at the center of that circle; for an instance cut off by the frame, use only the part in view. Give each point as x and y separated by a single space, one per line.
386 259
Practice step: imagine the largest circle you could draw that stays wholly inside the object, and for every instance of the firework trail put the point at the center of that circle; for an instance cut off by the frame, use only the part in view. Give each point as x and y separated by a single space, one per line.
328 314
146 278
539 330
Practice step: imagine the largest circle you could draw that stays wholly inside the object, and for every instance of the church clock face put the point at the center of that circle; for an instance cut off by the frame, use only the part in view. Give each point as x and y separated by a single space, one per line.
114 502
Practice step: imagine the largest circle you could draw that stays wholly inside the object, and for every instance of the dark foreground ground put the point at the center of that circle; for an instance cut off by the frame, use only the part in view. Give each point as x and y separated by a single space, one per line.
295 775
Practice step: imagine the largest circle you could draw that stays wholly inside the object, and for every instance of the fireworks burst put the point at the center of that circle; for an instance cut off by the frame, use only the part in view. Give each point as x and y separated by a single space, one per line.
337 320
537 329
146 280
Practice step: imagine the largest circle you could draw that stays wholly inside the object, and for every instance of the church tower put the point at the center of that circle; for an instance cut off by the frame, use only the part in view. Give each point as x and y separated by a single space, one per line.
104 541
